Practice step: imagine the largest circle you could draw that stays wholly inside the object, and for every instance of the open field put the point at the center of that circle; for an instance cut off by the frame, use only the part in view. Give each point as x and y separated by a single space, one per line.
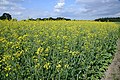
113 71
119 32
56 50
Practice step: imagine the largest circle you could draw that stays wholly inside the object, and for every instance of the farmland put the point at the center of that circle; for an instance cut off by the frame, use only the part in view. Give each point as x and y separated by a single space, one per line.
56 50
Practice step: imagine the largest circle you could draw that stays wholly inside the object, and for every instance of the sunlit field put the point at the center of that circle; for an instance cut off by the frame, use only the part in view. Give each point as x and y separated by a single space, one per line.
56 50
118 23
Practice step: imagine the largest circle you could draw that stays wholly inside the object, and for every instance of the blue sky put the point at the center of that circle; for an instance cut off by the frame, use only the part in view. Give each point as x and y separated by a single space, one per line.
74 9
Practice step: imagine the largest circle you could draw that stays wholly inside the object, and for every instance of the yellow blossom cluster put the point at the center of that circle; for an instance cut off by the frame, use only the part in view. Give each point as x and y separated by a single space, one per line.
56 50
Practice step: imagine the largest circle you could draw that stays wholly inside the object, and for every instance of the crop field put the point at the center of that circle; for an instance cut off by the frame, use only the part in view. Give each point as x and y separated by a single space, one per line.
56 50
119 33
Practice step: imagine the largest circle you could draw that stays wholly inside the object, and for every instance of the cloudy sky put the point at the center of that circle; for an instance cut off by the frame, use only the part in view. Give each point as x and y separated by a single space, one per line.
74 9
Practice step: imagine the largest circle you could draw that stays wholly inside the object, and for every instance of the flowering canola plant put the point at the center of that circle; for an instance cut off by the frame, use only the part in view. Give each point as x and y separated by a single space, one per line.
57 50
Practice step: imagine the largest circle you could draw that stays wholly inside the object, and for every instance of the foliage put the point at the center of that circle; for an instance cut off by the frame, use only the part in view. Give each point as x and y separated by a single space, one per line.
114 19
56 50
50 18
119 32
5 16
14 19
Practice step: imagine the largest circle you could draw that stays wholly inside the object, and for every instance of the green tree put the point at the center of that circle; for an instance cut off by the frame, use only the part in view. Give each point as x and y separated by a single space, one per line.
6 16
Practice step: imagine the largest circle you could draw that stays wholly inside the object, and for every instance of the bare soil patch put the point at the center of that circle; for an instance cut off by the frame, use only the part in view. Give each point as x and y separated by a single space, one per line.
113 72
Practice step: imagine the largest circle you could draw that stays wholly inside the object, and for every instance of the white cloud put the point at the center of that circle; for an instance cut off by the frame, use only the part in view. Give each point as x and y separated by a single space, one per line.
11 6
85 1
118 14
78 9
59 6
91 9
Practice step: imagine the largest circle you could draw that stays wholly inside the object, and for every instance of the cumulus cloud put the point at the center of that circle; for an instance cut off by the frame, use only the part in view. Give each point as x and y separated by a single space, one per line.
91 9
101 7
76 9
59 6
11 6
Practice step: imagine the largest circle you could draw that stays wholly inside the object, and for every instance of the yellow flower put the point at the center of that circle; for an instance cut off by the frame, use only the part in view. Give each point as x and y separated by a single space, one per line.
7 75
18 54
6 57
47 50
58 66
64 37
40 50
66 65
35 60
3 39
8 68
46 54
37 65
44 58
74 53
58 37
47 65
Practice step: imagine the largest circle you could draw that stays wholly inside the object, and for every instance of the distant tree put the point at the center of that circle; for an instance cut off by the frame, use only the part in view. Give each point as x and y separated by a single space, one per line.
38 19
60 18
111 19
31 19
14 19
50 18
6 16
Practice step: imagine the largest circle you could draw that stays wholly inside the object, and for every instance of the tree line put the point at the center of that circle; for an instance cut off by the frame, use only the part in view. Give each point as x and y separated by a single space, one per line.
50 18
112 19
7 16
108 19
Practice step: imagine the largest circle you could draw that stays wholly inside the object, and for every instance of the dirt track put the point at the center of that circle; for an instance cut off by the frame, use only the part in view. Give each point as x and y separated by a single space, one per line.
113 72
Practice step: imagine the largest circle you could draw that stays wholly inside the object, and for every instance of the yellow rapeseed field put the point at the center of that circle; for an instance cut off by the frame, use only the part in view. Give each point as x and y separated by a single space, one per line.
56 50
